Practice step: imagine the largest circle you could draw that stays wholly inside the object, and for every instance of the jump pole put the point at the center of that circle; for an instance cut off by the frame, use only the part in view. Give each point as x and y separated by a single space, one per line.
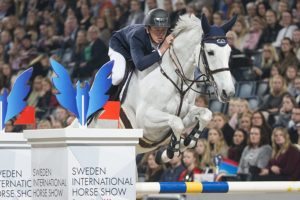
143 188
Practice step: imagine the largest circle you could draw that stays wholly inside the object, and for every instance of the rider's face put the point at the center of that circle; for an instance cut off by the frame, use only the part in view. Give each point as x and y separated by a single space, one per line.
157 34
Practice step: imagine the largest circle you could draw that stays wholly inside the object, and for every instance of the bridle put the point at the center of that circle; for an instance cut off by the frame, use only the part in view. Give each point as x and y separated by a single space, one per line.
206 78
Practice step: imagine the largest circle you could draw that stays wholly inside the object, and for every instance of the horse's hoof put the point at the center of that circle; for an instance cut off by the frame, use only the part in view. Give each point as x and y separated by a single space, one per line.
161 157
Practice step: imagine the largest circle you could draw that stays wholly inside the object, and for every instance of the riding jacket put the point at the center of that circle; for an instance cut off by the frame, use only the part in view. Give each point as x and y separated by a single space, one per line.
134 43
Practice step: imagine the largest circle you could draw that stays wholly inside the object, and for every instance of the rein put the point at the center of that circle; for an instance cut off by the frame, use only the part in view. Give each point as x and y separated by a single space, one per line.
185 80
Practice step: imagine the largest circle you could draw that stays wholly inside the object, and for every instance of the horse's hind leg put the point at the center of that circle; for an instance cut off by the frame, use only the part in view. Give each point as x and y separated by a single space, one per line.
201 116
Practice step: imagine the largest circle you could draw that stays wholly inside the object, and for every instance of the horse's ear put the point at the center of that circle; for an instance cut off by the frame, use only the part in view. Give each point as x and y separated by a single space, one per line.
226 27
205 25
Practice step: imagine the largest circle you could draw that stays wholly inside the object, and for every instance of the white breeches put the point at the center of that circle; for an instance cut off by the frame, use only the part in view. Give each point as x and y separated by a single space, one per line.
118 70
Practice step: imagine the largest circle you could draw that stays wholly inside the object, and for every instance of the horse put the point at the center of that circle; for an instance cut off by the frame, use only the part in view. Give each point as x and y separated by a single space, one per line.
160 100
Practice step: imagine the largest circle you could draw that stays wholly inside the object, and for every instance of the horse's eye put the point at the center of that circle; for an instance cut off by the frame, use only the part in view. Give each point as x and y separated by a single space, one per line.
211 53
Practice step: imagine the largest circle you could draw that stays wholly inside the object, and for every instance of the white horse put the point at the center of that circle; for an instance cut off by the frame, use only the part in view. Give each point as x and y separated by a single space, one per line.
160 100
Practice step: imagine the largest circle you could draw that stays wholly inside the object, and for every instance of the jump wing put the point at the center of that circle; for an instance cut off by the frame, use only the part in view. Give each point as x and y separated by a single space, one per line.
15 99
100 87
67 93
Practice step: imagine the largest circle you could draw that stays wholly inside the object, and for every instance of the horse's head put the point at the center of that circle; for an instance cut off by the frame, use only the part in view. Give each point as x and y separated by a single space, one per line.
214 55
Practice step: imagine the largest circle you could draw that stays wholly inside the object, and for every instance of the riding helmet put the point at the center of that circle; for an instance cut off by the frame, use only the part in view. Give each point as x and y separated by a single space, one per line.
157 17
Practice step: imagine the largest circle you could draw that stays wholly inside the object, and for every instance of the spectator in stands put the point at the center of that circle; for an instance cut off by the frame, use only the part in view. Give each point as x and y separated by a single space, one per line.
269 58
258 119
252 37
60 115
190 162
180 9
294 89
255 156
85 17
285 111
151 4
6 74
233 111
44 124
287 55
262 8
285 161
217 143
136 14
203 151
251 12
272 101
105 33
35 91
281 8
295 130
235 151
240 28
220 121
235 8
217 18
296 40
243 106
46 101
201 101
96 52
78 55
120 18
173 171
153 171
291 74
287 30
6 41
271 30
207 10
245 122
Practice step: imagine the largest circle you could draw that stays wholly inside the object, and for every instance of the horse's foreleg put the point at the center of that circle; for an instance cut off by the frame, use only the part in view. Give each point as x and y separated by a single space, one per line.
156 118
199 115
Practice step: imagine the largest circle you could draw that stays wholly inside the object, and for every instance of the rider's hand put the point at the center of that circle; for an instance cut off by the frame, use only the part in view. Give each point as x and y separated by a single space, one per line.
166 44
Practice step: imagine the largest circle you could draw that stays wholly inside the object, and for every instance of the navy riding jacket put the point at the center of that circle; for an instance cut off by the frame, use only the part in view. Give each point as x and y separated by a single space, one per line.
133 42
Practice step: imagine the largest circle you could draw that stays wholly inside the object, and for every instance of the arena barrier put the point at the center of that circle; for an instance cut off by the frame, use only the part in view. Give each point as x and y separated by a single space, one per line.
215 187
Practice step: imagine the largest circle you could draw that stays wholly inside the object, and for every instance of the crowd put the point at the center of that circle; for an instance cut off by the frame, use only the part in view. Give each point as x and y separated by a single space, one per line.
263 140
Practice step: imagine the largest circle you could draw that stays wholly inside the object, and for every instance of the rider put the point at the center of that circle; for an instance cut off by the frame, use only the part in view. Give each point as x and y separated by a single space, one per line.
140 45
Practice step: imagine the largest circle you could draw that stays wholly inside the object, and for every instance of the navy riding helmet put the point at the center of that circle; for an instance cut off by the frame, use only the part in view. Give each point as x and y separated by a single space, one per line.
157 17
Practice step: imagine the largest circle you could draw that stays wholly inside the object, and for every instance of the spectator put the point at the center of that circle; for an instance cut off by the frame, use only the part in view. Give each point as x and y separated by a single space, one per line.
252 37
285 112
175 168
233 112
203 151
105 33
217 19
180 9
251 12
190 162
85 19
258 119
245 122
201 101
240 138
240 28
287 30
44 124
153 171
294 89
287 55
120 18
285 160
136 14
5 76
220 122
262 8
296 40
269 58
294 130
255 156
271 30
217 143
35 91
291 74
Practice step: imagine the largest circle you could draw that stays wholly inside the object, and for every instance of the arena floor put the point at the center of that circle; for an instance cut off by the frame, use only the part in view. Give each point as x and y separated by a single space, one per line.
247 196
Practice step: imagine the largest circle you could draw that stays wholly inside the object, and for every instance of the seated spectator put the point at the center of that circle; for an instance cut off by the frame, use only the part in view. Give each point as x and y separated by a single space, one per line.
44 124
296 40
294 130
240 138
245 122
217 143
217 18
233 109
269 58
291 74
294 88
173 171
220 121
240 28
203 151
190 162
32 100
253 35
6 74
255 156
105 33
201 101
153 170
287 30
270 32
271 102
285 112
136 13
258 119
287 55
285 161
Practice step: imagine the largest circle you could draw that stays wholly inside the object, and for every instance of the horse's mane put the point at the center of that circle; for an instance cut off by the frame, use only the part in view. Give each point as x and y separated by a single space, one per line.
186 22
